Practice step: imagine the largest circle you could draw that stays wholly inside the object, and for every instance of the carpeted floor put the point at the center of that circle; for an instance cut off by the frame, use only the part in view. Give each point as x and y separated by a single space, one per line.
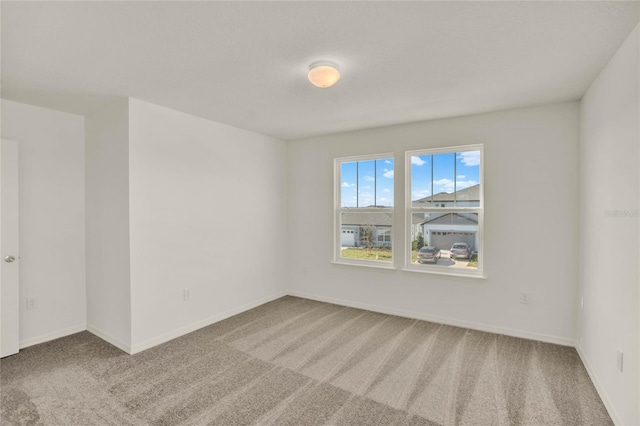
300 362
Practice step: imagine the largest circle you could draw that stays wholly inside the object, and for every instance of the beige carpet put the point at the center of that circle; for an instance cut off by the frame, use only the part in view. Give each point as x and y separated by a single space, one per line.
300 362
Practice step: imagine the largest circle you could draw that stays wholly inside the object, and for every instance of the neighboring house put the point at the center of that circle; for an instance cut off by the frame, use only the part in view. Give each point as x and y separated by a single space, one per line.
443 230
468 197
366 229
438 229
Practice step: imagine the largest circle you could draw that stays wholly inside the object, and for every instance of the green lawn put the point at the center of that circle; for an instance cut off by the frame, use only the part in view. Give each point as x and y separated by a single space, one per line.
380 254
384 255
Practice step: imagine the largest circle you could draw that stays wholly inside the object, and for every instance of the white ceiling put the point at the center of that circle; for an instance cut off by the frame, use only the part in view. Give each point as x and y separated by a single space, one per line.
245 63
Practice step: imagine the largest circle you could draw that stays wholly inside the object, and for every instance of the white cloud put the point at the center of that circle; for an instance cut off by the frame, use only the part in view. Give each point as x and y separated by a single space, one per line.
387 161
416 195
462 184
365 200
369 178
388 173
470 158
460 176
443 181
417 161
447 185
386 190
351 202
348 185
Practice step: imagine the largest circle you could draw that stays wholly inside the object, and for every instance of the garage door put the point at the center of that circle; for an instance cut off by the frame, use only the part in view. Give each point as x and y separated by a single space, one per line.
348 238
445 239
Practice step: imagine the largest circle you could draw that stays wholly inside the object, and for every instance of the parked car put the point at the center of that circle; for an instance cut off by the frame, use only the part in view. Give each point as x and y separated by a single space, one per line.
429 254
460 251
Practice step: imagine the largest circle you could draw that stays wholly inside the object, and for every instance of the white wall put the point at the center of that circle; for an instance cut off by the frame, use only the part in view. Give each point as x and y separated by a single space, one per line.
51 202
610 246
107 224
208 213
531 196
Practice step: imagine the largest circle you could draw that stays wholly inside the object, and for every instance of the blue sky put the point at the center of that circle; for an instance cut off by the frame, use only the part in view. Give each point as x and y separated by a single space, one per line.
367 183
445 177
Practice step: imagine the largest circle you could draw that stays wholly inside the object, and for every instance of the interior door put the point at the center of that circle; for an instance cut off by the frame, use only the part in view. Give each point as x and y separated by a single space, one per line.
9 284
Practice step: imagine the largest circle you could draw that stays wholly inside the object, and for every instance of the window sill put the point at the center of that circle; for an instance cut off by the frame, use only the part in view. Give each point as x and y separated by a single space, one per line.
474 275
365 265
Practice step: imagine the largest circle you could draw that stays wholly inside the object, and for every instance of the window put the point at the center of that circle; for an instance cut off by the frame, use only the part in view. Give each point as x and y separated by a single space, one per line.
443 204
444 208
384 234
364 210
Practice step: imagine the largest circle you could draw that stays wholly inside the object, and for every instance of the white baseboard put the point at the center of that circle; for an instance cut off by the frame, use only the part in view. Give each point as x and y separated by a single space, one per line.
132 349
109 338
203 323
613 413
442 320
51 336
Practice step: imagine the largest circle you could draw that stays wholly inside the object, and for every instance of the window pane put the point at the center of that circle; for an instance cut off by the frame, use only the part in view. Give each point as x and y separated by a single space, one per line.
366 183
454 234
348 184
384 182
366 236
468 179
443 180
421 180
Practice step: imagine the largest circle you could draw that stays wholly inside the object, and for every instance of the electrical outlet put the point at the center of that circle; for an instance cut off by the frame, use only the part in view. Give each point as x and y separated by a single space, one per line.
525 298
620 360
186 294
32 303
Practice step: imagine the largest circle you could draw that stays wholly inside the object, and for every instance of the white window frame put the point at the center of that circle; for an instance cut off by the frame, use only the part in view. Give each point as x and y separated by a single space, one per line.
338 210
410 209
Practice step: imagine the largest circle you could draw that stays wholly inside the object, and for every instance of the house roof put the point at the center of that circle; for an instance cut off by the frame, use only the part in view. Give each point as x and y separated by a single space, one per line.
471 193
416 220
453 219
367 219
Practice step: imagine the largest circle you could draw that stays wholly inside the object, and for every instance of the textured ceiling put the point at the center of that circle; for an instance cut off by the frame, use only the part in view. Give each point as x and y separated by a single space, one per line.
245 63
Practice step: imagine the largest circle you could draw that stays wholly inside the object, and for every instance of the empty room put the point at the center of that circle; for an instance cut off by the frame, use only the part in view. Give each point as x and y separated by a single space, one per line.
320 213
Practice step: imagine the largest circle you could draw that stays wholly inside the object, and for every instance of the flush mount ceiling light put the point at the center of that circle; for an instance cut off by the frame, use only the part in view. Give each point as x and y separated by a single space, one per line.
323 74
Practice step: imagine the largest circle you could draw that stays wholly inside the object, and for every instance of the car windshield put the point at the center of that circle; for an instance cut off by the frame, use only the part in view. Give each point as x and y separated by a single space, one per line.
427 250
459 246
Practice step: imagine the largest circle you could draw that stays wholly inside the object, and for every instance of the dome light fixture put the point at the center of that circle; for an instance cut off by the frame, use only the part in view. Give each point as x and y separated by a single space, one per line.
323 74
